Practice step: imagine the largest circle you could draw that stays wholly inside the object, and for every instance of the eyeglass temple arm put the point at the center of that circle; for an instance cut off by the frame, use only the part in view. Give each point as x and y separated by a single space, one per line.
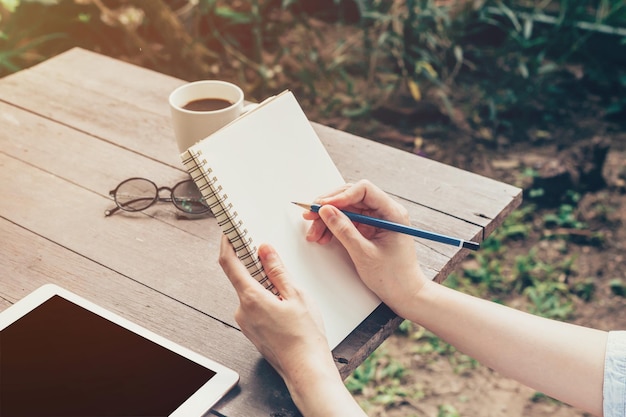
110 211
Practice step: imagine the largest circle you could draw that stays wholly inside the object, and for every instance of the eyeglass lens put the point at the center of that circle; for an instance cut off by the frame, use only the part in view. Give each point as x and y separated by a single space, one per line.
138 194
187 197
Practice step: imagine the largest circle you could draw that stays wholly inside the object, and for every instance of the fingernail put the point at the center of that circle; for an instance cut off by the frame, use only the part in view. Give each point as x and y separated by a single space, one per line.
267 253
329 213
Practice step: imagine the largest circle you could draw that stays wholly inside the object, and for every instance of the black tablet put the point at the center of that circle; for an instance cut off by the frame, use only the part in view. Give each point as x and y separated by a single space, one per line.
62 355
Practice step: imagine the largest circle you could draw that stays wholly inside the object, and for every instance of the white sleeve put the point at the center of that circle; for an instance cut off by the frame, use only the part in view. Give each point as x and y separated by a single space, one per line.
614 389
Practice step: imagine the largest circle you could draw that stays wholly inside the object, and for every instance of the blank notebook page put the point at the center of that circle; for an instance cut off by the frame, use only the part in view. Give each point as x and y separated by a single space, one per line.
264 161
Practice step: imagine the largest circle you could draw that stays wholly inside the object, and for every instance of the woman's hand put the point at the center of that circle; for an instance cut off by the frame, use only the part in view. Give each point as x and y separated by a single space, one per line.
289 333
386 261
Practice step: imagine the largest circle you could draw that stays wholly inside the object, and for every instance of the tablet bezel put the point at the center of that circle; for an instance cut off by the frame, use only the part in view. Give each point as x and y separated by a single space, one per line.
199 403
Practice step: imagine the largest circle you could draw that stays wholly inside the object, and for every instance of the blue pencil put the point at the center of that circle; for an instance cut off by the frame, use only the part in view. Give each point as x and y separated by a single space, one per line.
400 228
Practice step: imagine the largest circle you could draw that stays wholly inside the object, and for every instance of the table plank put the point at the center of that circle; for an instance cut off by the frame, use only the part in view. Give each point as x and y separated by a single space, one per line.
134 246
97 112
464 195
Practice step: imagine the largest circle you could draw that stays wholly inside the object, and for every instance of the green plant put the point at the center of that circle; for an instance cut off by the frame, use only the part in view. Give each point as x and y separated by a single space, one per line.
363 375
544 285
405 328
564 217
534 43
20 43
585 289
243 31
550 299
379 379
447 410
518 224
618 287
541 397
488 274
429 345
378 368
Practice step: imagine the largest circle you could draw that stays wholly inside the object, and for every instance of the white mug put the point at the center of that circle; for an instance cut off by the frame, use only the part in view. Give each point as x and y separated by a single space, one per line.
191 126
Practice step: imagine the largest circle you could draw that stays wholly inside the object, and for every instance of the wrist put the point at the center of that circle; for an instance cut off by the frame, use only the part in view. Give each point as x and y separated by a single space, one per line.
419 304
407 302
317 390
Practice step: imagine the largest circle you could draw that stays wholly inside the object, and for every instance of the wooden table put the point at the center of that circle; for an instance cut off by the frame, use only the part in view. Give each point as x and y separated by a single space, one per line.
76 125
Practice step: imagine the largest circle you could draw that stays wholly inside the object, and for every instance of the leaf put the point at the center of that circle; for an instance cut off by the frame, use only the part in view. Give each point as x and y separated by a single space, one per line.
287 3
447 410
511 15
423 66
547 68
356 112
528 28
10 5
415 90
523 70
458 53
235 17
618 287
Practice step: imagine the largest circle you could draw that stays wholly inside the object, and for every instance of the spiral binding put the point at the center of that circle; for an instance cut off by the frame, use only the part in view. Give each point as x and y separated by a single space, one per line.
226 216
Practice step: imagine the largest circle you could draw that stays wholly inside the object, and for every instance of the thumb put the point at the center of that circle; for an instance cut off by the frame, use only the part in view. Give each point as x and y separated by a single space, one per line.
343 229
274 268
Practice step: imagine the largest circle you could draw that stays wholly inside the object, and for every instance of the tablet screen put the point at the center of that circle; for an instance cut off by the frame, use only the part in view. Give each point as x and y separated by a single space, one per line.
63 360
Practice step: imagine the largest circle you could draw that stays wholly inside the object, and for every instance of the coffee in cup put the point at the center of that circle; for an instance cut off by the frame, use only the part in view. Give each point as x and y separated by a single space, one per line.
200 108
207 104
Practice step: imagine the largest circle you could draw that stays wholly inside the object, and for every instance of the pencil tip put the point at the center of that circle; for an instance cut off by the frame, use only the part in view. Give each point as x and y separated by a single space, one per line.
304 206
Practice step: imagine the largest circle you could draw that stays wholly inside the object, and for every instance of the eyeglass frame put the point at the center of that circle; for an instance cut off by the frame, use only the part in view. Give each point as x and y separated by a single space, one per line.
157 197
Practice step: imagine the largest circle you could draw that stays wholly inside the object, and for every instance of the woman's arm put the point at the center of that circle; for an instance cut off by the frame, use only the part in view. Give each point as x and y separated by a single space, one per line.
558 359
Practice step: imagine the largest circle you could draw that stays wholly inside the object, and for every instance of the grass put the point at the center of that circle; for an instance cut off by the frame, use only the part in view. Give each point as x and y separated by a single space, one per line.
379 378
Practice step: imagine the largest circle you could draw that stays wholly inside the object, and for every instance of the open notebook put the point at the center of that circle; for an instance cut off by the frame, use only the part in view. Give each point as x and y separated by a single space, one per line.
249 172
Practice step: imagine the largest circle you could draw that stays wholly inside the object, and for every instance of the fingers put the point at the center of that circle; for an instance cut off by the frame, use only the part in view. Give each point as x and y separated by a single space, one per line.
343 229
241 279
232 266
341 197
275 270
310 215
362 197
318 232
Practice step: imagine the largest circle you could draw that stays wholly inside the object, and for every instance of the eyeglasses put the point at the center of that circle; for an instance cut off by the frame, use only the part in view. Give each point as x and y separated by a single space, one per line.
137 194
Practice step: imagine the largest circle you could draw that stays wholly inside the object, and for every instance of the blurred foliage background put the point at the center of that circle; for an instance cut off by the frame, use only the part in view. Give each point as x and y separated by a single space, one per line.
475 64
